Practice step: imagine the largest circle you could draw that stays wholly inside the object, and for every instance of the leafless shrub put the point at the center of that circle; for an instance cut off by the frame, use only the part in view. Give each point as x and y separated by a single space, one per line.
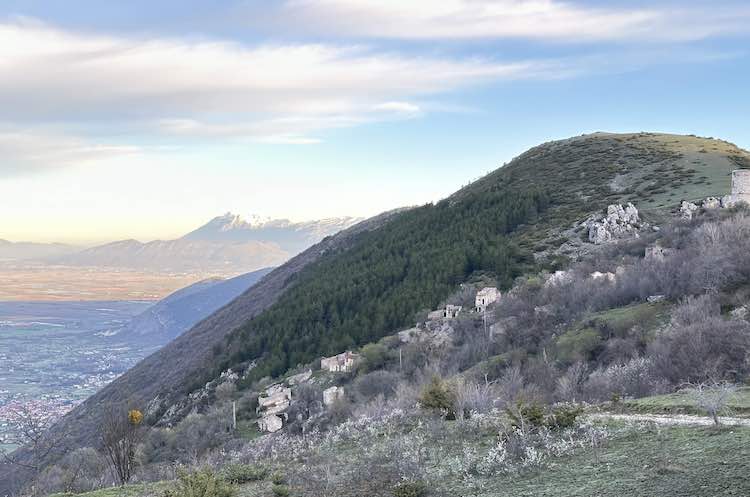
712 398
197 434
377 383
570 384
79 471
471 397
715 348
635 378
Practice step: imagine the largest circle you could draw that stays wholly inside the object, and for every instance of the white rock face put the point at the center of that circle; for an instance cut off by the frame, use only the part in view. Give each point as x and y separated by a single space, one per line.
618 223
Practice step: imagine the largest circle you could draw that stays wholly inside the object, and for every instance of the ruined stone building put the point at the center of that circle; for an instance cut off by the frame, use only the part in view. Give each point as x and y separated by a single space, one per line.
486 297
342 363
272 404
452 311
740 185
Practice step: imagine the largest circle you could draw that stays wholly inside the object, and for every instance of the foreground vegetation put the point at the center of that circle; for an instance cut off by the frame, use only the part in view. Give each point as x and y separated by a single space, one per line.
629 459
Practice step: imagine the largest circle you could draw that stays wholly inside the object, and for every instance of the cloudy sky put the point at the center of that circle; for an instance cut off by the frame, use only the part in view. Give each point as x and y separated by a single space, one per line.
144 118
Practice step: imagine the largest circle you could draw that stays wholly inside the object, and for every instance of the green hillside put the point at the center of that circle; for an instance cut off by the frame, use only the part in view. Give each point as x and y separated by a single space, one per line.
493 226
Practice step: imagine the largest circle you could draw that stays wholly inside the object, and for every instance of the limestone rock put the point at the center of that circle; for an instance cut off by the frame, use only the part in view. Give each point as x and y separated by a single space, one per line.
618 223
687 209
740 312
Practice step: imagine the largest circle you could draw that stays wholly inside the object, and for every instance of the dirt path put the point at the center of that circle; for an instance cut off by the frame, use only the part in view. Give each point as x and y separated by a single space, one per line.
671 419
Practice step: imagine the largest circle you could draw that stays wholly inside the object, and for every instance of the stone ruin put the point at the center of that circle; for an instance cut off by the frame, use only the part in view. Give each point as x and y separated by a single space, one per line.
341 363
658 253
740 193
332 394
272 405
485 297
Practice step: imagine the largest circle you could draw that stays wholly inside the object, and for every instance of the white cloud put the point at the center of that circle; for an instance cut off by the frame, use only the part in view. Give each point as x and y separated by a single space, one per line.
25 151
406 108
268 92
531 19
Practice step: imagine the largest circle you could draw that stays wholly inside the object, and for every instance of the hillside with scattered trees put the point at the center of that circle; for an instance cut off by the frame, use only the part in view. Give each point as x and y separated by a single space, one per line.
594 352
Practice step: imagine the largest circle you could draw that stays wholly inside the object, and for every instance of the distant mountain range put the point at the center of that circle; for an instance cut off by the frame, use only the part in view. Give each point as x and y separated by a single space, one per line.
291 237
13 251
226 245
181 310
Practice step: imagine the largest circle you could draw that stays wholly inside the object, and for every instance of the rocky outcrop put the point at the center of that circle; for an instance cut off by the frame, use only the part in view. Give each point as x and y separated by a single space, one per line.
619 222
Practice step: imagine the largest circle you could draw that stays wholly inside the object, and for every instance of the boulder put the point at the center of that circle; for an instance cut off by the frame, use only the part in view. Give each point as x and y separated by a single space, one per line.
656 298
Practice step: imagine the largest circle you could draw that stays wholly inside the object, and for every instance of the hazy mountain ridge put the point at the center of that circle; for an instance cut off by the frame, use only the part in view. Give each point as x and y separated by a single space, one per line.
179 311
226 245
17 251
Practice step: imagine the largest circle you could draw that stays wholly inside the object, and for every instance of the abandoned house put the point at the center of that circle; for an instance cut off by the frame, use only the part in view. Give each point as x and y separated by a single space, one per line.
342 363
486 297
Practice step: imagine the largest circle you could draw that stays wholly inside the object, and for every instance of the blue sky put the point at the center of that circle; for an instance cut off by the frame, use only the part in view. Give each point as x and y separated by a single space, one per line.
144 119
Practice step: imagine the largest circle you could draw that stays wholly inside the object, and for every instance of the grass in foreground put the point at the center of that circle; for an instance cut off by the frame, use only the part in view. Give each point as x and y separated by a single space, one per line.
669 462
647 461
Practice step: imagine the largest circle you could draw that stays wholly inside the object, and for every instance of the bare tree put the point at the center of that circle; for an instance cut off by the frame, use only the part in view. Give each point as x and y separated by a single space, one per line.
32 432
121 431
712 397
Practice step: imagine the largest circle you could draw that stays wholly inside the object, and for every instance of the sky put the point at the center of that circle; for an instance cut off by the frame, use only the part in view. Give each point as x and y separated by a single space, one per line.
144 119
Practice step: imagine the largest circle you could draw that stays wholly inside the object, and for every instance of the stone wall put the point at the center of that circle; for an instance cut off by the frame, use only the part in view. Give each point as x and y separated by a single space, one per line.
741 185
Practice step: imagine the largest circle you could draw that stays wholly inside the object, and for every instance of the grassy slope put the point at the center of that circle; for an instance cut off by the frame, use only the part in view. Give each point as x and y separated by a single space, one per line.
673 462
681 403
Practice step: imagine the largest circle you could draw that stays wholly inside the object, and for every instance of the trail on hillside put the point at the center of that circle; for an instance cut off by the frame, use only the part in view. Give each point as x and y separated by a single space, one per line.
670 419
